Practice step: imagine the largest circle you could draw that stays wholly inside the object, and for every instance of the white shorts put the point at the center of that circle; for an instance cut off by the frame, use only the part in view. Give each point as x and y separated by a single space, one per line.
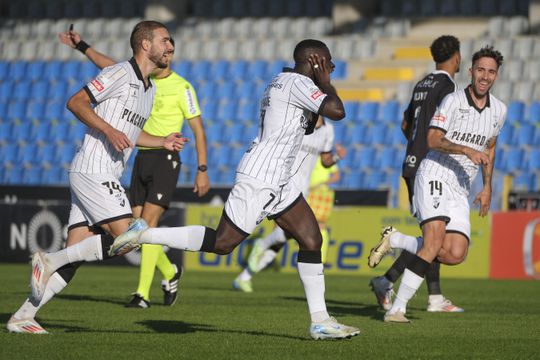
96 199
436 200
252 200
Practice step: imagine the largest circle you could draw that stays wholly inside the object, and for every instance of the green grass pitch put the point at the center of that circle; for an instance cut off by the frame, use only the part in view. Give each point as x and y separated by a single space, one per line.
210 321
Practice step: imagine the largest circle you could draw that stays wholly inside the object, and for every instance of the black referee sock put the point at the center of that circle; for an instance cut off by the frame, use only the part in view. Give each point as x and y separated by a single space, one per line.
397 268
433 278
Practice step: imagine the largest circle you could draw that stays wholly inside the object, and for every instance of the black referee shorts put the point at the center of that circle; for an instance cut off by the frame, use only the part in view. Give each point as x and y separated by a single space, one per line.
154 177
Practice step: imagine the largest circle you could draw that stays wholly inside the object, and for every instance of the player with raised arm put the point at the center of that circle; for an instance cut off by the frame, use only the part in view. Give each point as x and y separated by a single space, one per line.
461 138
114 106
316 147
155 172
263 186
427 95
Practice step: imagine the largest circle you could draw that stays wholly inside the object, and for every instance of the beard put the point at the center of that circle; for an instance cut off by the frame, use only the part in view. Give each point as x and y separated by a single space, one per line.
158 59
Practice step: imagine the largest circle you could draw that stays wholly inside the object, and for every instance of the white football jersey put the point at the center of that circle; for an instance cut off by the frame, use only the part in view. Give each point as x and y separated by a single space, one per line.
123 101
285 111
464 124
321 141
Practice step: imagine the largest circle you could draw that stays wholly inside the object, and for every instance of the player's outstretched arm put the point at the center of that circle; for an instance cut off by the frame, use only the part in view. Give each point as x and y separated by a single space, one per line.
172 142
437 141
73 39
81 106
202 183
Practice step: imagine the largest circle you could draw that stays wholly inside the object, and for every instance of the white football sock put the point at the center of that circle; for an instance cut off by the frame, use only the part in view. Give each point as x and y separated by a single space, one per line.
267 257
184 238
436 299
312 276
54 286
245 275
277 236
87 250
408 287
406 242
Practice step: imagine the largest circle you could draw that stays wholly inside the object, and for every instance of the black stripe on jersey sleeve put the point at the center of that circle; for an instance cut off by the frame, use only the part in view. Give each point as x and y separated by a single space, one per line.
323 104
438 128
90 95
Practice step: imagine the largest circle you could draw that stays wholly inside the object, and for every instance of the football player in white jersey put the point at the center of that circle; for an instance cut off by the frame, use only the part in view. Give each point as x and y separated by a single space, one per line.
318 145
123 95
263 185
461 139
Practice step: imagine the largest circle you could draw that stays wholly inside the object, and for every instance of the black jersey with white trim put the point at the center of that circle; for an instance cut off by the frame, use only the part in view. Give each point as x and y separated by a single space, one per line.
285 110
464 124
427 95
123 100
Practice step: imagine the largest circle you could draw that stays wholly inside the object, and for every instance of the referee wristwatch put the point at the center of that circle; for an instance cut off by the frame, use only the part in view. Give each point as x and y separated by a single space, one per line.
202 168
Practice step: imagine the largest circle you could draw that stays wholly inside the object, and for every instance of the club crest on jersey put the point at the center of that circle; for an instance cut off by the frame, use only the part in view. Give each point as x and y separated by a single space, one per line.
317 94
436 203
304 122
439 117
261 217
99 87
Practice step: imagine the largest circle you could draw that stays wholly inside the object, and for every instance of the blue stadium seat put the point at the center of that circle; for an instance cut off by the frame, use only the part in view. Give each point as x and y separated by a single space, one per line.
389 112
5 132
250 133
356 136
226 176
4 70
368 111
235 156
206 91
351 110
188 156
364 158
533 112
513 160
53 110
35 70
533 160
524 182
32 175
6 89
354 180
65 154
516 112
506 136
340 72
29 154
17 70
396 135
214 133
245 89
234 134
201 70
70 70
247 111
16 110
274 68
20 131
58 131
13 175
57 90
47 153
219 70
226 110
52 175
525 135
257 70
21 90
340 132
377 134
182 68
225 91
209 109
39 90
35 109
87 71
219 156
238 70
53 69
373 180
76 132
386 159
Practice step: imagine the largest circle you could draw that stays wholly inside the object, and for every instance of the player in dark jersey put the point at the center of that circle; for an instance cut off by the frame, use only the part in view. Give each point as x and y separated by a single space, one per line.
427 95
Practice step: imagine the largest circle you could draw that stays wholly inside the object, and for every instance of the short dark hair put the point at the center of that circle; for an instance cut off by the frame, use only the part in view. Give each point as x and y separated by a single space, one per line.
143 31
444 47
301 49
488 51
